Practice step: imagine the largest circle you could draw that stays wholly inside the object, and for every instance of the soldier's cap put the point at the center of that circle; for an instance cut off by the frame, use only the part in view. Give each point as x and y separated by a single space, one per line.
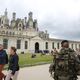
64 41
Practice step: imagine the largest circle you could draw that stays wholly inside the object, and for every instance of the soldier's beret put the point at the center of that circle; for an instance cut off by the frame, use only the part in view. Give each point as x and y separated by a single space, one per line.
64 41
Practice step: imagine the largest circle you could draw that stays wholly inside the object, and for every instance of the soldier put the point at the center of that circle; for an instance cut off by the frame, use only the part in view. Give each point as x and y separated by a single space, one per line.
64 66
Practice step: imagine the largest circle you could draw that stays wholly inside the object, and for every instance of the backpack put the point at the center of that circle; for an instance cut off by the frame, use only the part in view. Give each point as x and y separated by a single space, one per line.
64 64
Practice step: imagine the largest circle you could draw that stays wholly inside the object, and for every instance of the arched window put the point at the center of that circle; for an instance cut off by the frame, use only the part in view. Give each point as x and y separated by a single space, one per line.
19 29
53 45
58 46
5 43
46 45
19 25
72 46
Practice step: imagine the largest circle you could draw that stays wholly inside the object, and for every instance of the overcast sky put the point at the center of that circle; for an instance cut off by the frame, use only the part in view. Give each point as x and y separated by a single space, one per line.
60 17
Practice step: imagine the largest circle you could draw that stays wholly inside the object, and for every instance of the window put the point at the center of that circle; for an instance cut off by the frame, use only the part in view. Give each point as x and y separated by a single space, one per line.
3 32
20 29
5 43
58 46
13 33
19 25
7 33
75 46
26 44
18 44
10 33
72 46
46 45
0 21
79 46
1 26
53 45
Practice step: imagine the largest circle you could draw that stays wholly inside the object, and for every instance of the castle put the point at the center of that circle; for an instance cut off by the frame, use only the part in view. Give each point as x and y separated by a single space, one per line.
25 35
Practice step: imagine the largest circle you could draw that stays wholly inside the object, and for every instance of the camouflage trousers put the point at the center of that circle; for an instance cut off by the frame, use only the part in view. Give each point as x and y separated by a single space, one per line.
74 77
64 78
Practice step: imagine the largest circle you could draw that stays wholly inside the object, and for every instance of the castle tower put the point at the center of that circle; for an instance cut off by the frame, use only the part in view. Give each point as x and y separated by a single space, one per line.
5 20
30 20
35 25
13 21
30 15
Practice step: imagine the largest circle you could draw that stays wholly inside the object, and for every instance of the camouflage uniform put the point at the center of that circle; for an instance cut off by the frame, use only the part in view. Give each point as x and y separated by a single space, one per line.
64 66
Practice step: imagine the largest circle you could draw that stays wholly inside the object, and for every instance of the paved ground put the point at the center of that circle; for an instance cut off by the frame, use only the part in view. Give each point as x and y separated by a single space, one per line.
35 73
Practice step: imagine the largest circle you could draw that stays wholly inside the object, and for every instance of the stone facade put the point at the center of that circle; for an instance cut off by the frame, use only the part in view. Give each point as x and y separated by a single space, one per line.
25 35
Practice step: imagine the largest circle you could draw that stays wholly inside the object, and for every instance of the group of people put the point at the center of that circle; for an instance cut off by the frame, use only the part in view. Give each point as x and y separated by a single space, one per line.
12 61
65 66
66 63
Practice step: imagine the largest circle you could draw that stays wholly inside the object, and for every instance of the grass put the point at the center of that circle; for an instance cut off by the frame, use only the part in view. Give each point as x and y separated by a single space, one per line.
26 60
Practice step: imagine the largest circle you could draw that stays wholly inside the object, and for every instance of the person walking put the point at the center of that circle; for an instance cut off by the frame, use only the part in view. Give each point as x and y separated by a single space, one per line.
3 61
13 68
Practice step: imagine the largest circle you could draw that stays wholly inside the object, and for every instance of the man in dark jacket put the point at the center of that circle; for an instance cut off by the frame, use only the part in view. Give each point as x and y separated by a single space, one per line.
3 61
13 65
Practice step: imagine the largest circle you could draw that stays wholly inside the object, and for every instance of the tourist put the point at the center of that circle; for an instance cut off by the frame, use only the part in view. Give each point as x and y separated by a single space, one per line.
3 61
13 68
51 52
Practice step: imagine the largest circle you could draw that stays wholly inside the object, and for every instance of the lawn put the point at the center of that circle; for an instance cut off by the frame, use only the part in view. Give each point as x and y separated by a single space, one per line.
26 60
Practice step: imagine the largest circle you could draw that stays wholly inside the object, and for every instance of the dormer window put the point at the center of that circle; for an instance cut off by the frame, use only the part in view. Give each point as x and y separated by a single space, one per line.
19 25
19 29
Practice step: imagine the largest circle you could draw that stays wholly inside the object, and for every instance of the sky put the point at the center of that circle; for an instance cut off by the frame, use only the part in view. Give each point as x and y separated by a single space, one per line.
60 17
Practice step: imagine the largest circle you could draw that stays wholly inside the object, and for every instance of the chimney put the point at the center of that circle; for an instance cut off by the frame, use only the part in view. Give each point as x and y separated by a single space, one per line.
25 19
14 16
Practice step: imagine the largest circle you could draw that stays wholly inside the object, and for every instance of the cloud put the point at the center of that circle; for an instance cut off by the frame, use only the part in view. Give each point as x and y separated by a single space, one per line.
60 17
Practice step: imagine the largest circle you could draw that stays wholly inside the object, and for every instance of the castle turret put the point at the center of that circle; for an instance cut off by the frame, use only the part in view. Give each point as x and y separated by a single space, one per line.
13 21
35 25
5 19
30 15
30 20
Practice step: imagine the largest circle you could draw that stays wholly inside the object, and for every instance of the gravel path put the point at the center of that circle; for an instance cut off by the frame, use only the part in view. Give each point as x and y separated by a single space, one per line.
35 73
